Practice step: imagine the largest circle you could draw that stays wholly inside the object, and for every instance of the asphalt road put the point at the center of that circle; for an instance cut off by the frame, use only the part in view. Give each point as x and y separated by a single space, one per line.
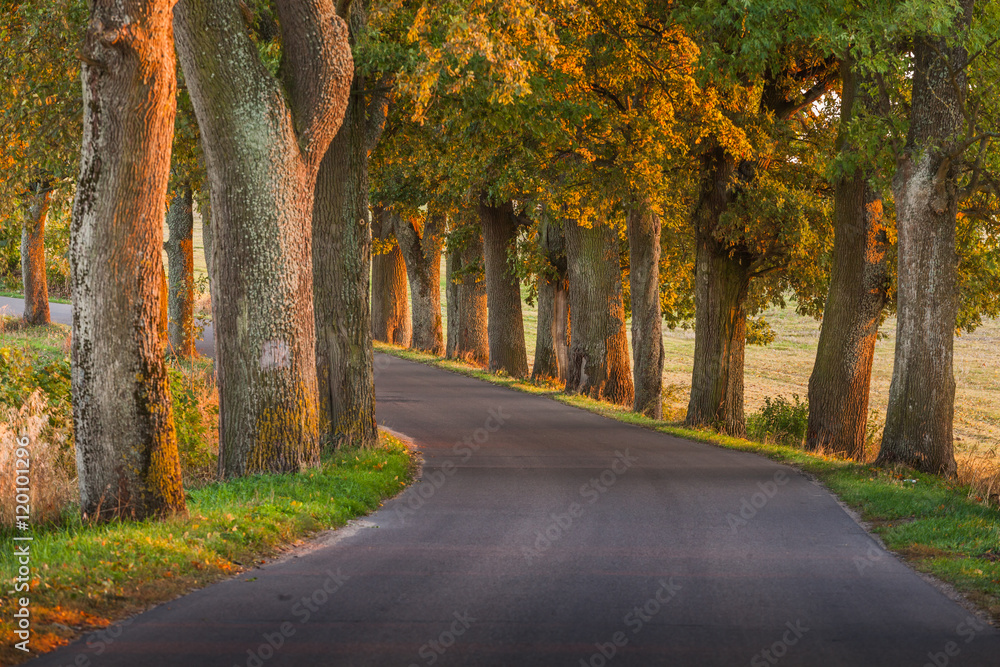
544 535
62 313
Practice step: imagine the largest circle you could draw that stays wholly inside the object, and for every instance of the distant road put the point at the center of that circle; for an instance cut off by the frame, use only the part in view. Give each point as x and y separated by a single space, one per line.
62 313
543 535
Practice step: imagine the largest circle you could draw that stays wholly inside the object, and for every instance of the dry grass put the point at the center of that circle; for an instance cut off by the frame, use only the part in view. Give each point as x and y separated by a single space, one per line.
52 486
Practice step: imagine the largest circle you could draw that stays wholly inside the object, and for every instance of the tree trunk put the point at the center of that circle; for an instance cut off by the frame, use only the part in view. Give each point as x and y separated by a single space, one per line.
918 422
722 281
505 327
390 306
551 352
36 288
422 254
126 446
647 324
841 379
341 269
453 260
262 163
598 354
470 332
180 261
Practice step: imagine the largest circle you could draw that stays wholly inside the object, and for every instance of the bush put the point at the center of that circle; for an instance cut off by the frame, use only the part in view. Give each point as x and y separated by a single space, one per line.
196 419
780 421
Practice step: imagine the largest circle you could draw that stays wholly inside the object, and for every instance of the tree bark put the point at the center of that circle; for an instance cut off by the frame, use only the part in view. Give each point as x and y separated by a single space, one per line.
471 340
841 378
263 154
453 260
421 250
341 268
390 306
918 422
180 262
505 326
126 447
33 275
647 323
551 349
722 281
598 354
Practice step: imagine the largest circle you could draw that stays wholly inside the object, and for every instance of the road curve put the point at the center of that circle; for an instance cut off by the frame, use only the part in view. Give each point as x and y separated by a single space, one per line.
544 535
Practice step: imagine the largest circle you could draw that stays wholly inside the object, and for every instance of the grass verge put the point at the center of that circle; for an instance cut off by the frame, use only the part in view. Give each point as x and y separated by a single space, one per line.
936 525
85 576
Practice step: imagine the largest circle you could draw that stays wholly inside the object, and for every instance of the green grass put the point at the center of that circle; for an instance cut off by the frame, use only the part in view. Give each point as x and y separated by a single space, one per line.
50 340
935 524
86 576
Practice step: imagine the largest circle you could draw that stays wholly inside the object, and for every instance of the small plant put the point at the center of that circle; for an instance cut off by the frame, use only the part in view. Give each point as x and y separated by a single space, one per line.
780 421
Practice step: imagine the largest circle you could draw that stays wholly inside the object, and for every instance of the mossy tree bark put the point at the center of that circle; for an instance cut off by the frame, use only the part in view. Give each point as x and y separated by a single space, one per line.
390 305
33 276
180 264
722 280
647 323
551 348
918 422
505 326
598 353
126 447
341 268
841 378
264 141
468 337
421 241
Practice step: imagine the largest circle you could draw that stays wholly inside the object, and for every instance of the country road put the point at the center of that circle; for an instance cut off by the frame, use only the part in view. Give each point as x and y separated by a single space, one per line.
540 534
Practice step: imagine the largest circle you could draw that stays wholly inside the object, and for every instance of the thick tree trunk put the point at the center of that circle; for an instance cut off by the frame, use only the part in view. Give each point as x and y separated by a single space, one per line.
341 269
918 423
841 379
551 350
36 288
390 305
126 447
505 326
647 324
453 260
598 354
722 280
262 167
470 331
180 262
422 253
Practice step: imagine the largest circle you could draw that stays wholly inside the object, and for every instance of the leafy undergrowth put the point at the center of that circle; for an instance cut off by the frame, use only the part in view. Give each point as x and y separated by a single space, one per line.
935 524
85 576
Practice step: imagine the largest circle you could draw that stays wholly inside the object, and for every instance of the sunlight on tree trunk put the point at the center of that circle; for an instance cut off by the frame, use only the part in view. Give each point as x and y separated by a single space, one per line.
127 458
36 289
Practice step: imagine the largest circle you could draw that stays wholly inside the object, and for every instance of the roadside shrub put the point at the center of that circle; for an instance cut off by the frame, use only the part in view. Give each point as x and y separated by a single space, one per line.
196 419
780 421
